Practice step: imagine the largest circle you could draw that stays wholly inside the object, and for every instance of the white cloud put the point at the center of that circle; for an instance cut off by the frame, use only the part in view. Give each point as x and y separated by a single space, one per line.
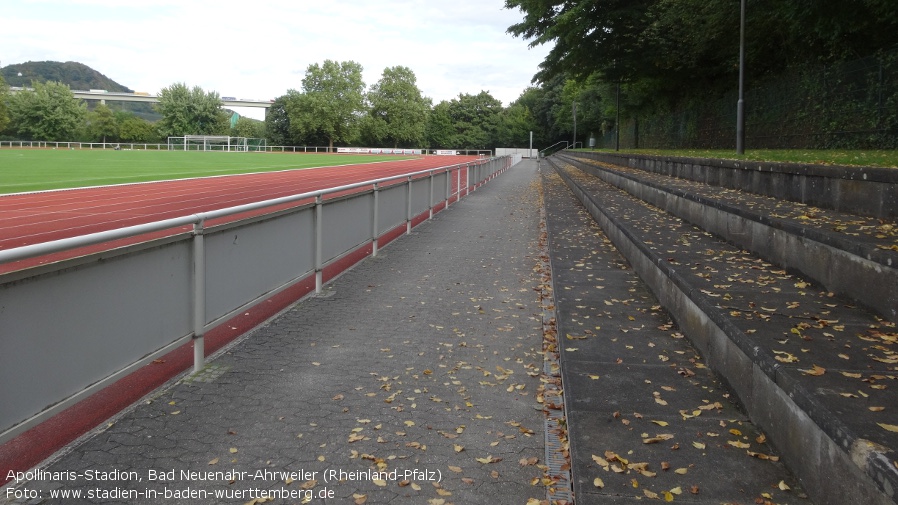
261 49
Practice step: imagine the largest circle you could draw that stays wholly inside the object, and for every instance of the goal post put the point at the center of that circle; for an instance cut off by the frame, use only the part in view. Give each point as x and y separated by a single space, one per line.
215 143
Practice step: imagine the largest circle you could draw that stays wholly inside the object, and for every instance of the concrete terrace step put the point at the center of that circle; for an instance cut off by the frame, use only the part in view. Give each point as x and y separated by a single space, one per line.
814 371
850 255
644 414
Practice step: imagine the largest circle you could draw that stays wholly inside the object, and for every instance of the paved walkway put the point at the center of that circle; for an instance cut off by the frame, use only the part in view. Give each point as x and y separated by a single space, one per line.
421 365
417 377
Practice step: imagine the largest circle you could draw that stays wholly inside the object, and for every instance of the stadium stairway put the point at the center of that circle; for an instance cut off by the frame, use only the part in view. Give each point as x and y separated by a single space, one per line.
793 307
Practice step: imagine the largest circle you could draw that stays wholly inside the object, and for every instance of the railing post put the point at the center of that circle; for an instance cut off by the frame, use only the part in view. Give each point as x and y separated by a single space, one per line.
448 187
199 296
430 201
374 219
318 250
458 185
408 210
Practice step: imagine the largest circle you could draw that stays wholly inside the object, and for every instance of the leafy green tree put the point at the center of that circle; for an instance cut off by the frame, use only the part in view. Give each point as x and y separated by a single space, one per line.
193 111
515 125
247 127
440 132
277 121
475 119
398 111
102 124
331 103
47 112
138 130
4 108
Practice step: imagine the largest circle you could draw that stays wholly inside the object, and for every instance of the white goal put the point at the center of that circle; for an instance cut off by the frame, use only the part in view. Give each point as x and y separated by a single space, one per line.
215 143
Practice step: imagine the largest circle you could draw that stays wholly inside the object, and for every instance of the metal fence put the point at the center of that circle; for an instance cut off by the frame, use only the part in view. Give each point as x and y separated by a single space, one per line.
852 105
137 146
69 328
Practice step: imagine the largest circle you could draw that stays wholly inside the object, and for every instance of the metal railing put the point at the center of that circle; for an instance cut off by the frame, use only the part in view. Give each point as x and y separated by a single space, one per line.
146 146
81 323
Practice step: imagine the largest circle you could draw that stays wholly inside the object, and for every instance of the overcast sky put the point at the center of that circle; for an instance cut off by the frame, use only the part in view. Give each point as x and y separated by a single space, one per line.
260 49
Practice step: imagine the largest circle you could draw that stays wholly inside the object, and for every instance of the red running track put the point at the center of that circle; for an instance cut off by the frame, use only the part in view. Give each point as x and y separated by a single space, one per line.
33 218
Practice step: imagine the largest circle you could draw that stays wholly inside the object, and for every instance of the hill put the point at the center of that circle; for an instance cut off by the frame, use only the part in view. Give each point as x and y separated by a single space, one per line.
77 75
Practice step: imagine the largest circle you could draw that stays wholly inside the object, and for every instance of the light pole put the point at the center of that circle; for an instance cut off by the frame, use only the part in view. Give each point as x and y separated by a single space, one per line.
740 105
575 124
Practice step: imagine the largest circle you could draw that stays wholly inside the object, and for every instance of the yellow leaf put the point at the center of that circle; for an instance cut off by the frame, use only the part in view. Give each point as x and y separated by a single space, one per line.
681 471
455 469
597 482
783 486
888 427
379 482
661 423
876 409
817 370
458 448
668 496
214 461
233 450
698 445
740 445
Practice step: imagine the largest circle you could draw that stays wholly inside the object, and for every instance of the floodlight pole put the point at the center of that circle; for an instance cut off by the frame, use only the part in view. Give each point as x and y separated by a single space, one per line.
740 105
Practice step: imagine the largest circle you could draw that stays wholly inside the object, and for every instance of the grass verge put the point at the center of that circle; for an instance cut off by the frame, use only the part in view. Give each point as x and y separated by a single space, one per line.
866 158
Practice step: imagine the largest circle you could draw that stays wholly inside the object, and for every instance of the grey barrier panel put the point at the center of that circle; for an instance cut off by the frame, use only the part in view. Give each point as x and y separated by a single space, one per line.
391 208
250 260
439 188
420 195
68 329
348 222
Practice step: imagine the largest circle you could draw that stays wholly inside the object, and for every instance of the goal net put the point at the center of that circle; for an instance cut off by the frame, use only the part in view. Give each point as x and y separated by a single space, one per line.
215 143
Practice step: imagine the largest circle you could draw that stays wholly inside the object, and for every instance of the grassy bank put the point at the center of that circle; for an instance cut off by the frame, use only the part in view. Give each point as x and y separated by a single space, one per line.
872 158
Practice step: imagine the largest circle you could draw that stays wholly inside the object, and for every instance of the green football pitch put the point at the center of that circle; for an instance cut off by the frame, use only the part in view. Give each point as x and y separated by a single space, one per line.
40 169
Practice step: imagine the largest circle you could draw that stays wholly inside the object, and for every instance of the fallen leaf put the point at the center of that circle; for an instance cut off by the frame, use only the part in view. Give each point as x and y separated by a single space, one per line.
888 427
597 482
817 371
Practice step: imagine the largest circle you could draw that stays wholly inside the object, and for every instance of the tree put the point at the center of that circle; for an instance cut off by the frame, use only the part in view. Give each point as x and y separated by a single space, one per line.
475 119
102 124
440 132
331 104
398 110
515 125
4 108
191 112
47 112
277 121
135 129
247 127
